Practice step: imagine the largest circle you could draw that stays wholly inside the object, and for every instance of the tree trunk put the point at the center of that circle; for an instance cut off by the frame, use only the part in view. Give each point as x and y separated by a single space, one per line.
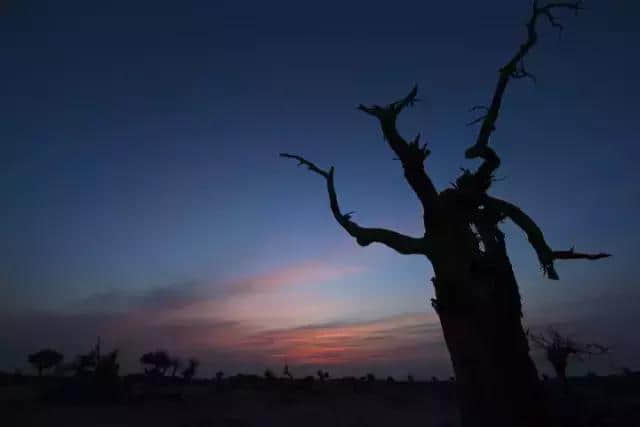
561 372
478 302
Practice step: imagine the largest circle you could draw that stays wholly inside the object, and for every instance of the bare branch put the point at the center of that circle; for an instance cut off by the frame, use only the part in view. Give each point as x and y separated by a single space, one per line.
514 68
571 254
553 341
546 255
364 236
478 120
478 107
308 164
412 155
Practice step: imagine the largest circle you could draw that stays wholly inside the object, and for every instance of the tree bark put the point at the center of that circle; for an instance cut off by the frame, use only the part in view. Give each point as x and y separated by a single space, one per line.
478 302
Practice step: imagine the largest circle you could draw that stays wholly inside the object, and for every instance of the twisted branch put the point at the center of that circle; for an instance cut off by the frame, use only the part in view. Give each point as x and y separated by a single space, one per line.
364 236
514 68
545 254
412 155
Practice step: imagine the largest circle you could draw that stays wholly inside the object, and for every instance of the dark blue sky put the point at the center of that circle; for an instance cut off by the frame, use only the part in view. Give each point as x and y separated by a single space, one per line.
139 151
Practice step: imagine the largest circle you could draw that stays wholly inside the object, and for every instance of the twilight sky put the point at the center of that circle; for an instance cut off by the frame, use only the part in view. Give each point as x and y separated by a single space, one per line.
144 201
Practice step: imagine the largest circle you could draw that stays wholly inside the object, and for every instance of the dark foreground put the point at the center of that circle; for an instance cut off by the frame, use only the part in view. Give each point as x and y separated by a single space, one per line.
253 401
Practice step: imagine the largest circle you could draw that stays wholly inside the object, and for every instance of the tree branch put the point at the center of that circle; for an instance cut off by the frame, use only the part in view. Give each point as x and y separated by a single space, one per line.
546 255
515 68
555 342
412 155
364 236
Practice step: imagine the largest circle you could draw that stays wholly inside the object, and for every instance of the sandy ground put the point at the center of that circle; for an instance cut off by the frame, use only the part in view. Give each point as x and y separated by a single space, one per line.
603 402
203 407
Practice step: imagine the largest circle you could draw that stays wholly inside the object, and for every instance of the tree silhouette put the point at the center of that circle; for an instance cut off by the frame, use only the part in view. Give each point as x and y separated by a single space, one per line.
88 363
477 296
176 364
107 366
269 375
85 363
286 372
322 375
45 359
159 360
190 370
559 349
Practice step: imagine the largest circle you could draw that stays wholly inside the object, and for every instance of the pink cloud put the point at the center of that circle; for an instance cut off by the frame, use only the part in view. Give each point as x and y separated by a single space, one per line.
309 272
406 336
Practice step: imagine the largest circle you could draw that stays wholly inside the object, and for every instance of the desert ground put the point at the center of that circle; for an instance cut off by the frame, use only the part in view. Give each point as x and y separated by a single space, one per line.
255 401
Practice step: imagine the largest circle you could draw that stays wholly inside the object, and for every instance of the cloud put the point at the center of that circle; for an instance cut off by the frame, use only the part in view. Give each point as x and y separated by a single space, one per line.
311 272
404 340
398 338
187 317
181 295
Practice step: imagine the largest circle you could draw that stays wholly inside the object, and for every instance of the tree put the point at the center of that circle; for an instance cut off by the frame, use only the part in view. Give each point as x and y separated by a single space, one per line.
322 375
559 349
107 367
160 361
476 293
269 375
45 359
176 363
86 364
286 372
191 368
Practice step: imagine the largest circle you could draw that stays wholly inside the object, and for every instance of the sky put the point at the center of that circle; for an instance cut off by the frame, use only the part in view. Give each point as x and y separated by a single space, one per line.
144 200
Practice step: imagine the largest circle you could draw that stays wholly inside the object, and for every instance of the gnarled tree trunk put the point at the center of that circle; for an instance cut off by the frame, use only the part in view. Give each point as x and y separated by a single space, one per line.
479 307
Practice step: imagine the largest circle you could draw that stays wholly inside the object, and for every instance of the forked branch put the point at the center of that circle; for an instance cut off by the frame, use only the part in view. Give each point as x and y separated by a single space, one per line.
561 346
546 255
515 68
412 155
364 236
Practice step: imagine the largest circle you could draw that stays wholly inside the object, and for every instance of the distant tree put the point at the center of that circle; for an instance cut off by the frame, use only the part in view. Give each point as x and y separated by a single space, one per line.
176 364
219 376
410 379
269 375
45 359
559 349
390 380
477 297
85 363
159 360
322 375
371 378
107 366
190 370
286 372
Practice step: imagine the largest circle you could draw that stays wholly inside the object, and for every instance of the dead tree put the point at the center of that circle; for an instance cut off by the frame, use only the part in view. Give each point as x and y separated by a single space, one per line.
287 373
477 296
175 364
559 349
190 370
45 359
